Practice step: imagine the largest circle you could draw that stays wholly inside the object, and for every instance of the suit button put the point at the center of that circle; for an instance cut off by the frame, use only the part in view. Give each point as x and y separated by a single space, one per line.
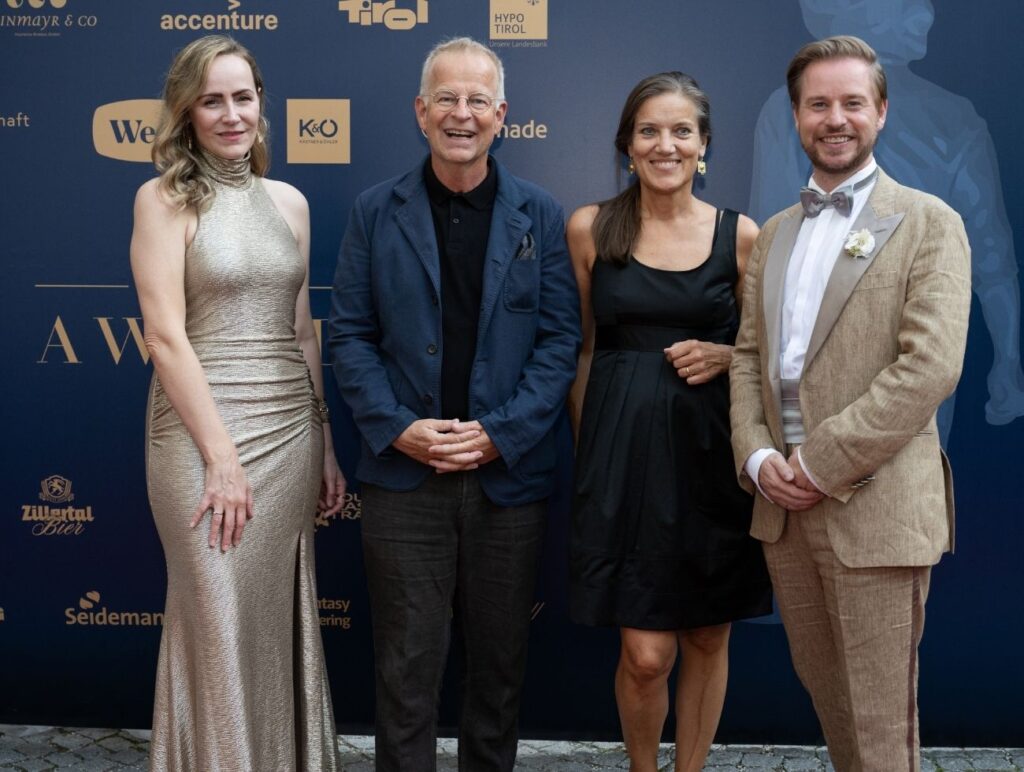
431 349
433 299
428 399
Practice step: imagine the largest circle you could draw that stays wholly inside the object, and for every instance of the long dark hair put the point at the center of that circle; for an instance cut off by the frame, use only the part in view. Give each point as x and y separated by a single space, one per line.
617 224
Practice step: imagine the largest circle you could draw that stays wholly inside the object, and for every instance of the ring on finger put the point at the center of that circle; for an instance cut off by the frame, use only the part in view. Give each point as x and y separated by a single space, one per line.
218 514
687 370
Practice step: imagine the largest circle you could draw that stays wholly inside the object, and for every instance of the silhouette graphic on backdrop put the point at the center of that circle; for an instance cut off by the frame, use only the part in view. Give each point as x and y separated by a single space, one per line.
933 140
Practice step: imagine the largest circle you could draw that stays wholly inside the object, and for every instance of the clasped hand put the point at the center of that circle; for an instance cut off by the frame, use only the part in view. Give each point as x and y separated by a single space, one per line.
447 445
785 483
699 361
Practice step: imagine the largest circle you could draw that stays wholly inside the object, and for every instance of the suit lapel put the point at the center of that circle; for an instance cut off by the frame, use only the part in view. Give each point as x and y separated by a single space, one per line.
880 219
508 227
417 224
773 277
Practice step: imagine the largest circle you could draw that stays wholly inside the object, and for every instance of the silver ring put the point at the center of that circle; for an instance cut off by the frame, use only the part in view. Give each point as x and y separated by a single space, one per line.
218 514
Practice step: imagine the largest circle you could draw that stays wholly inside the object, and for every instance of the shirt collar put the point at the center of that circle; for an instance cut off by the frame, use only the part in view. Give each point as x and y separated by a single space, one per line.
480 198
853 179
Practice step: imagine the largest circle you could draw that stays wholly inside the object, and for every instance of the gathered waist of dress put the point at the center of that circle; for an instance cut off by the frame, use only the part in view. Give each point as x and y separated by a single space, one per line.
259 348
655 338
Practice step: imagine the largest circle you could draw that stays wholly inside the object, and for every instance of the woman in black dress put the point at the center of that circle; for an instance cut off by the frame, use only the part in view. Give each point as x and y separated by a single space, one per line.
660 545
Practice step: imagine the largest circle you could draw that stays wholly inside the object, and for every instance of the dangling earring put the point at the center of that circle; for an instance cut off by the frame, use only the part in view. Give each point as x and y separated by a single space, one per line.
632 167
702 168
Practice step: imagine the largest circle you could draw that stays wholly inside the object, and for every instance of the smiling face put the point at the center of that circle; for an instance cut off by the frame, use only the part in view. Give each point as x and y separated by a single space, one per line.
459 138
225 117
666 142
838 118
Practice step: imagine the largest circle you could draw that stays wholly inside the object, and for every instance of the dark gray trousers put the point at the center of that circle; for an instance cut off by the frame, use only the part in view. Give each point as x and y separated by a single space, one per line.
444 548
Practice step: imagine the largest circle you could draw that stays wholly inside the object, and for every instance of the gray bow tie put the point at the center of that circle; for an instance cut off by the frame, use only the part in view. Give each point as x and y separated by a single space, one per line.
841 198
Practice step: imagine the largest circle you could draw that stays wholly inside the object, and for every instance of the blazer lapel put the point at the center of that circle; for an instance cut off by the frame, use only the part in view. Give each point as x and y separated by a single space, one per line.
417 224
878 218
508 227
773 277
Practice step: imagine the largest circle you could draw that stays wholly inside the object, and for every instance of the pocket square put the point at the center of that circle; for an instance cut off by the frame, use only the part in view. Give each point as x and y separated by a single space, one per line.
527 249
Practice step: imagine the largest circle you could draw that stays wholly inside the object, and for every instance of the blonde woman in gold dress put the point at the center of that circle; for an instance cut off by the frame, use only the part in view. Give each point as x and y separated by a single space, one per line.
238 450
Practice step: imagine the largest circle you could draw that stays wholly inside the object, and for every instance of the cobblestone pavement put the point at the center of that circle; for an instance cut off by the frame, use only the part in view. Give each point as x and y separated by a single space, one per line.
38 748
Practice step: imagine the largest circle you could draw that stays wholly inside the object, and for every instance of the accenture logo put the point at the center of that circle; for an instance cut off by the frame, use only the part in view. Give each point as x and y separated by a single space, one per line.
125 130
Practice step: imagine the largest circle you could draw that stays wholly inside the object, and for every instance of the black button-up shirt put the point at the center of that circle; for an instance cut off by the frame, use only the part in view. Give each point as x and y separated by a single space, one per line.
462 224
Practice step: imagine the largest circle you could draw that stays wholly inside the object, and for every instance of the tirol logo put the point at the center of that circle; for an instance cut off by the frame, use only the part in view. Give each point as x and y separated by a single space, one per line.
126 130
519 20
56 520
318 131
367 12
36 18
90 611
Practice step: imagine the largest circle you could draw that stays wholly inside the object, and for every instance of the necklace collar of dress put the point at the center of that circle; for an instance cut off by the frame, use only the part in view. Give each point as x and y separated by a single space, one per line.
234 173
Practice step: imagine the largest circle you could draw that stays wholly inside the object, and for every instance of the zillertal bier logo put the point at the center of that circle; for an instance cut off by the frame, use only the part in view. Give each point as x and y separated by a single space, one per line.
318 131
519 20
126 130
91 612
56 520
367 12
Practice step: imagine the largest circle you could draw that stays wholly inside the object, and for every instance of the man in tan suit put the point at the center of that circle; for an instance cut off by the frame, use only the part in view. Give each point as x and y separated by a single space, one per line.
853 331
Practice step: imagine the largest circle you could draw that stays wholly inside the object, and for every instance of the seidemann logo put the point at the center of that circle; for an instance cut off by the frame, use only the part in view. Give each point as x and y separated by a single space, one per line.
367 12
87 614
125 130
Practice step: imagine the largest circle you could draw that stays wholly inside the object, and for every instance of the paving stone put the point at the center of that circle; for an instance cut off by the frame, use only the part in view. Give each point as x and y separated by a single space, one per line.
96 733
803 764
724 757
115 743
927 765
991 761
9 756
69 740
64 759
761 760
35 765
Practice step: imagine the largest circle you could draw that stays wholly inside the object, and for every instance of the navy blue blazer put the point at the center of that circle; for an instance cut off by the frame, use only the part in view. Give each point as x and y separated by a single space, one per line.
385 333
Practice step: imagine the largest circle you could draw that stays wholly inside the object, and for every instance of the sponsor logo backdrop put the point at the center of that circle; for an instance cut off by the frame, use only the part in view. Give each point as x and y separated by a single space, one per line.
82 576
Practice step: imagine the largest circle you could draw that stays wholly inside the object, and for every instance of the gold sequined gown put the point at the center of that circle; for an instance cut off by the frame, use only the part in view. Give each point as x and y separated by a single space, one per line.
241 684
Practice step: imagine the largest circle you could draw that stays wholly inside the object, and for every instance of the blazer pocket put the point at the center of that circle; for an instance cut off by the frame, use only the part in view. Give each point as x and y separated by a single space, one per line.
522 285
876 280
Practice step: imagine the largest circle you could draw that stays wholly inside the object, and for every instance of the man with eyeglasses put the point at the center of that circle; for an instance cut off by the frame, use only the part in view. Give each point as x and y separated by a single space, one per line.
454 332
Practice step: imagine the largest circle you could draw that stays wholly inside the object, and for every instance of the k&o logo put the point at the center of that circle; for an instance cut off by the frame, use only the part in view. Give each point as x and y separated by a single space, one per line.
318 131
367 12
126 130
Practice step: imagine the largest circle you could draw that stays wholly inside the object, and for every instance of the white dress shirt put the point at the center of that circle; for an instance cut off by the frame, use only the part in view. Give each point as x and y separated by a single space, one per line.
818 244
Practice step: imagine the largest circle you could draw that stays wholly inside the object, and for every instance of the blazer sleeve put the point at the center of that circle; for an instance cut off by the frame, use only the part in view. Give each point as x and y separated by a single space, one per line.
516 426
901 399
746 407
354 337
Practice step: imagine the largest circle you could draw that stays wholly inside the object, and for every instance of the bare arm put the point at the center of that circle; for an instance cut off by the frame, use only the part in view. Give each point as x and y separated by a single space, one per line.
580 238
295 210
159 240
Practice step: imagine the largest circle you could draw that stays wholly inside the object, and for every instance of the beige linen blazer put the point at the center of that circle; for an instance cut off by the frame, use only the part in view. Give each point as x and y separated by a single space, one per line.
887 348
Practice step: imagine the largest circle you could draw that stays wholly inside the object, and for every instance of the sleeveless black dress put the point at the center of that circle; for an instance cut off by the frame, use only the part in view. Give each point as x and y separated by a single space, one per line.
660 526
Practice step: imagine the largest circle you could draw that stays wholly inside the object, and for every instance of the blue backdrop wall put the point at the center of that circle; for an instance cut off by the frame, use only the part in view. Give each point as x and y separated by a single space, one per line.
82 575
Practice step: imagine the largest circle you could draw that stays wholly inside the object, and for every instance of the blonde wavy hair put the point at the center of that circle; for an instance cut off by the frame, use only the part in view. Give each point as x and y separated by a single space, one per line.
175 149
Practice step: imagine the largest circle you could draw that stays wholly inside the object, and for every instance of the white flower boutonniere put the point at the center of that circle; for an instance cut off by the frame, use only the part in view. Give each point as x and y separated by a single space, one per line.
860 243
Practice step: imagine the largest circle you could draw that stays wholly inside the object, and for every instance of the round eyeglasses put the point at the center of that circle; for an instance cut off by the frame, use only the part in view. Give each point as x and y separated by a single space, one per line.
449 100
